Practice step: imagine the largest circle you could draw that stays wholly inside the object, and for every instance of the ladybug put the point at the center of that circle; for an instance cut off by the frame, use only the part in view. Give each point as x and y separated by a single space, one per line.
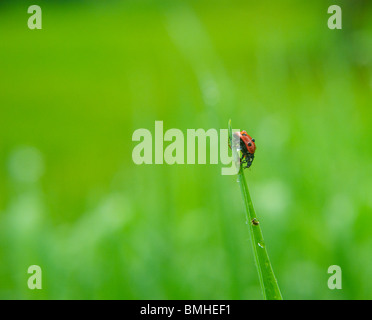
247 147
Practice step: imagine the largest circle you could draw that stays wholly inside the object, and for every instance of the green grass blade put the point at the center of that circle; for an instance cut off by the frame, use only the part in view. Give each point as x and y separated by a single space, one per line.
269 284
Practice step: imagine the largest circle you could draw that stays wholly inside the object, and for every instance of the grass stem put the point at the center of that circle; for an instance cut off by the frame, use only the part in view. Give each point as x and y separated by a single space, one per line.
269 284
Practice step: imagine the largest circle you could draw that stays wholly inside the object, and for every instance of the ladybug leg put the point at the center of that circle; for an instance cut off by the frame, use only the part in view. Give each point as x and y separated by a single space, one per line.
249 160
243 159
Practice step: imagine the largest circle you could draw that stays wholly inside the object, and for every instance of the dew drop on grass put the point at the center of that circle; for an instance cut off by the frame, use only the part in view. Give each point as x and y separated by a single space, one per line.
261 245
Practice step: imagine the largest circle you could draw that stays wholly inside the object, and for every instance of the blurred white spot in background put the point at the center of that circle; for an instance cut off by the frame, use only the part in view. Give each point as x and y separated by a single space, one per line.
211 95
340 215
272 197
25 214
26 164
110 215
273 132
299 279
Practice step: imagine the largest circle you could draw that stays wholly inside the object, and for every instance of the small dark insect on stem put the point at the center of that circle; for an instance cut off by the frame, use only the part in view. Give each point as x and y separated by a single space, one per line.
255 222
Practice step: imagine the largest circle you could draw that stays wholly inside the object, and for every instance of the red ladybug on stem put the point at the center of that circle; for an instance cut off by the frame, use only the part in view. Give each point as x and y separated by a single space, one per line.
247 147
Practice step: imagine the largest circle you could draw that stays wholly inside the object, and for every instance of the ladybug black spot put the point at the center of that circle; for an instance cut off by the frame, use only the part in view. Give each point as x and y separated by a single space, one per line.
253 140
249 144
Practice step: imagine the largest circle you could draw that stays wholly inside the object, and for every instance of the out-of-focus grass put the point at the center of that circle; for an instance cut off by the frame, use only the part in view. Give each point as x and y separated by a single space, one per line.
72 201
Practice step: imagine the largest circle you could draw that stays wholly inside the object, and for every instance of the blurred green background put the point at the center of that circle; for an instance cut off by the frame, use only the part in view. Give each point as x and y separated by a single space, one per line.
73 202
